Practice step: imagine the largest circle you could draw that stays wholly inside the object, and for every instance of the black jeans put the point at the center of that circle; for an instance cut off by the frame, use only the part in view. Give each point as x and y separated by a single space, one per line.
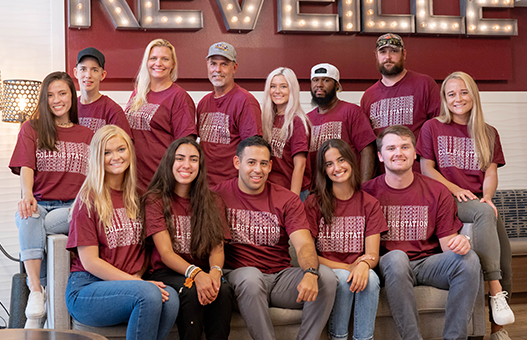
193 318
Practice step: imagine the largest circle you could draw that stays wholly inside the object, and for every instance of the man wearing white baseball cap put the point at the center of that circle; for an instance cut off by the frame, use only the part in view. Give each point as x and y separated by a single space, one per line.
400 97
226 116
337 119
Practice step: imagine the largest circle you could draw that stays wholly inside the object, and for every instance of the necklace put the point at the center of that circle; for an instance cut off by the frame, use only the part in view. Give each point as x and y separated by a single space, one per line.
67 124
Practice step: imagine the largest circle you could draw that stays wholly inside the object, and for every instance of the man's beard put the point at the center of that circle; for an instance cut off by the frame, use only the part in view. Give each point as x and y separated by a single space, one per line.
396 68
323 101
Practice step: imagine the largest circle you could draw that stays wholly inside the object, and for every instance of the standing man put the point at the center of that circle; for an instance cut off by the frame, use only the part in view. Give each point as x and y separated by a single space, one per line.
95 109
422 245
226 116
400 97
263 217
337 119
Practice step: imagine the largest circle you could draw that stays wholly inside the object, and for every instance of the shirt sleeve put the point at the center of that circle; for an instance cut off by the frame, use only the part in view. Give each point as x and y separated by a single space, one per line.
362 134
83 227
250 119
295 216
183 116
299 138
25 150
498 157
447 222
154 217
425 142
375 220
312 214
117 117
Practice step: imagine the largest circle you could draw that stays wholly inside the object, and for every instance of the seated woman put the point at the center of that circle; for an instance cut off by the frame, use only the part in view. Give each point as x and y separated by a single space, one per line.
348 223
287 129
51 157
463 152
105 286
188 225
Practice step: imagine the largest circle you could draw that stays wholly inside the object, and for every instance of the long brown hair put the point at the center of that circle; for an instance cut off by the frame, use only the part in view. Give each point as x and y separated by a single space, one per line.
205 220
324 185
43 120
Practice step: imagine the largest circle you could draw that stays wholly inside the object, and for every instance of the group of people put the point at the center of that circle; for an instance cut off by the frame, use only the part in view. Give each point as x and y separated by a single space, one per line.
164 229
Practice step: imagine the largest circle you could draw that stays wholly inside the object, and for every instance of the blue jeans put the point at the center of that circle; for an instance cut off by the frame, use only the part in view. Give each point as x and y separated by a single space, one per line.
365 309
460 274
32 231
99 303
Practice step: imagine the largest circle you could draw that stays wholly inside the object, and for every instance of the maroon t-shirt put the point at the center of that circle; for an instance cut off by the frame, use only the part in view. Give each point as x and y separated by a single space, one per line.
409 102
119 245
103 111
284 150
167 116
155 223
452 149
223 123
418 215
58 174
345 121
260 225
353 220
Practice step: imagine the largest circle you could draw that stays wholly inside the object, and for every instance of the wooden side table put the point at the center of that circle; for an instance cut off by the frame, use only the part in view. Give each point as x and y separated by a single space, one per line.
47 334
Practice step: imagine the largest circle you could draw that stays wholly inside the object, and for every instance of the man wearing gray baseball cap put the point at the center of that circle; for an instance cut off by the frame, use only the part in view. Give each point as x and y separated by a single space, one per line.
226 116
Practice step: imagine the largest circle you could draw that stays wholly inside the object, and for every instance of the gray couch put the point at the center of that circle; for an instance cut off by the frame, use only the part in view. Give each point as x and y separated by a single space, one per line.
431 305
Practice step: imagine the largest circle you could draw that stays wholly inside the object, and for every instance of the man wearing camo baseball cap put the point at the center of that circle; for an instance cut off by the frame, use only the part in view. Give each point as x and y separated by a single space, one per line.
401 96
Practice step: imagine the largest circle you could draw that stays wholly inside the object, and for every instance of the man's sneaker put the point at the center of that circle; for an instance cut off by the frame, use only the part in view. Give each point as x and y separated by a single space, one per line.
500 335
36 304
501 312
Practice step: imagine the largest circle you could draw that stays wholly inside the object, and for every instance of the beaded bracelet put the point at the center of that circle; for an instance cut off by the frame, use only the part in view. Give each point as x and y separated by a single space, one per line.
218 268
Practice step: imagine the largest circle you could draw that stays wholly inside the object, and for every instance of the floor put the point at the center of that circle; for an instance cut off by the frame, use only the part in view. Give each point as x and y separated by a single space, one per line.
518 330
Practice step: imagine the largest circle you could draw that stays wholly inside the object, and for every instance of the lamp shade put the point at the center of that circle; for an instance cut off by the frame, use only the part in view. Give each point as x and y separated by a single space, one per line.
19 99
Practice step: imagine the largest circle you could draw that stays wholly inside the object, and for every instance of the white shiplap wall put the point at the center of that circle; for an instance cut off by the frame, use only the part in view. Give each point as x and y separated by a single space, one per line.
32 45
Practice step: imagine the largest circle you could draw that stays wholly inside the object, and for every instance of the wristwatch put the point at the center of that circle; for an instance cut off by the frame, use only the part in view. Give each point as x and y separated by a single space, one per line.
312 271
467 237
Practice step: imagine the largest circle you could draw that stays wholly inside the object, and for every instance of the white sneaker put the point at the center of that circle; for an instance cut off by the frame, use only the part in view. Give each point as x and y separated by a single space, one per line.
501 312
36 304
500 335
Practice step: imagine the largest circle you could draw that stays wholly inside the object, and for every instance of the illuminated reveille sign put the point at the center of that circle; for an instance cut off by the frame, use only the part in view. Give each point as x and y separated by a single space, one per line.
350 18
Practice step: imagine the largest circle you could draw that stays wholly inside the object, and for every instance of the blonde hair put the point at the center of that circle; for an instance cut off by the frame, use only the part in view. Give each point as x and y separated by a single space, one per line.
292 110
94 191
482 133
142 82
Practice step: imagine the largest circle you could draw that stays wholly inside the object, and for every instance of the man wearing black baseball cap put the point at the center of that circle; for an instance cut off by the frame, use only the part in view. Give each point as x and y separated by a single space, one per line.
95 109
400 97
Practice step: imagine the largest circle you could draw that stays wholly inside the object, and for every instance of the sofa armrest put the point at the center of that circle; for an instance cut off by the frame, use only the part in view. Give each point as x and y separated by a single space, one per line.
58 267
